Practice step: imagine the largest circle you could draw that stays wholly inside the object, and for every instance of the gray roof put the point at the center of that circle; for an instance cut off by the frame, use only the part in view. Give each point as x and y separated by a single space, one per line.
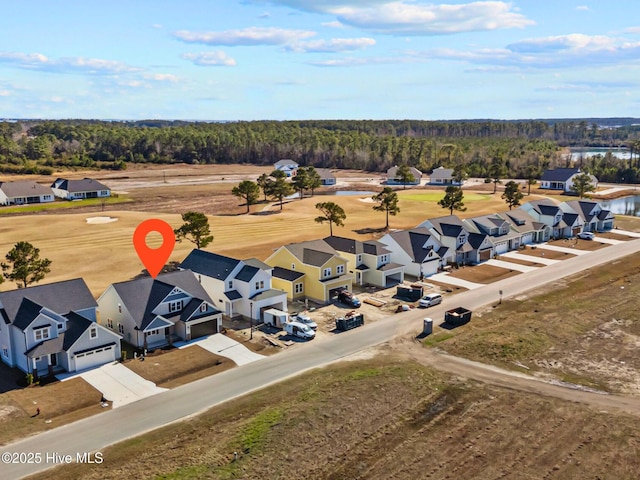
390 266
27 313
286 274
143 295
271 293
75 186
209 264
254 262
544 206
60 297
76 326
313 252
24 188
392 172
476 239
47 347
558 174
285 162
488 221
325 173
441 172
448 226
570 218
233 295
246 273
349 245
412 241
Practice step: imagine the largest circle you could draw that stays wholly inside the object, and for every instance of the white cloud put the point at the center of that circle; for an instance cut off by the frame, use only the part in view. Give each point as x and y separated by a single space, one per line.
4 93
333 45
157 26
162 77
632 30
427 19
246 36
93 66
562 51
359 62
210 59
334 24
582 8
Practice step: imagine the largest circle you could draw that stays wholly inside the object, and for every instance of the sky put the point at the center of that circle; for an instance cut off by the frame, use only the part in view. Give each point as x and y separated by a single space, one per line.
319 59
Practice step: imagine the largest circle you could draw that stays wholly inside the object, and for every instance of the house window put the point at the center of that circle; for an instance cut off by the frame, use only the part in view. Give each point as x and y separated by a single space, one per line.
121 329
152 332
293 266
203 307
339 269
260 285
175 306
5 351
42 333
298 288
60 326
110 323
359 259
384 258
326 272
119 308
93 333
230 284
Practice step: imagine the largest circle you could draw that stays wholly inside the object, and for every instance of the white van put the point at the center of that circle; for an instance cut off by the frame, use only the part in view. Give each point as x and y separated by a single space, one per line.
430 299
298 329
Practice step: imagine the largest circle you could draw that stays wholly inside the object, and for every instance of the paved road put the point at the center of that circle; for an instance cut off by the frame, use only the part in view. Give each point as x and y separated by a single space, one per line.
95 433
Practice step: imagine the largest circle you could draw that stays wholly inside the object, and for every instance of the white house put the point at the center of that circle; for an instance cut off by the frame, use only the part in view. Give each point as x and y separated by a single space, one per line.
24 191
417 249
236 287
287 166
393 179
594 217
530 230
462 246
151 313
549 213
562 179
79 189
52 328
443 176
499 231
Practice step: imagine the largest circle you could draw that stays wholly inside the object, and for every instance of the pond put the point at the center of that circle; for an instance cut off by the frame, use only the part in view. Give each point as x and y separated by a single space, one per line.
623 206
585 152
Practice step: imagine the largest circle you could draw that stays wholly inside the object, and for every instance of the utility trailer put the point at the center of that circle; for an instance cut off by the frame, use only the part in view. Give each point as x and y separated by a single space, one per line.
457 316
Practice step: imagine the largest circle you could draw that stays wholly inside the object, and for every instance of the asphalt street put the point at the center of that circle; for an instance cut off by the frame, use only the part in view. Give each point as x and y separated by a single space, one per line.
96 432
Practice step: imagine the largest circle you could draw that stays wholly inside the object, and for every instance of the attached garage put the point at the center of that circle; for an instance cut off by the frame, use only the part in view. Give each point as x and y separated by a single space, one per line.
502 247
485 254
333 293
97 356
526 239
210 327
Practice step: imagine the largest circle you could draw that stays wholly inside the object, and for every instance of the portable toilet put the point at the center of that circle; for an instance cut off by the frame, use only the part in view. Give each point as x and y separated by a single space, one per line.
427 328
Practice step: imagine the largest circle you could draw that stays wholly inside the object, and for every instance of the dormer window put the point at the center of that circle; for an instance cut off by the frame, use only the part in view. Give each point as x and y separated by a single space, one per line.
175 306
41 333
203 308
60 326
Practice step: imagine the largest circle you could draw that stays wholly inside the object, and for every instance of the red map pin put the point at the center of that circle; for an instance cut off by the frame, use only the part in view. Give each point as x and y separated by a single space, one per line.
154 258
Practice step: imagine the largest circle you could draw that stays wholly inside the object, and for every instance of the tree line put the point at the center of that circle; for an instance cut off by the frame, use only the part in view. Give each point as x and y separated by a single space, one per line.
42 146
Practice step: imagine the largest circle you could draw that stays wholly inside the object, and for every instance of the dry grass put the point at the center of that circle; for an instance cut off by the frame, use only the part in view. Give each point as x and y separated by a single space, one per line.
172 368
60 402
583 330
545 253
578 244
380 419
483 273
520 262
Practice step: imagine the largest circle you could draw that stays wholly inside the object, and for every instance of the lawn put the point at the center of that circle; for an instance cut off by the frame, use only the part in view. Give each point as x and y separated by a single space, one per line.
483 273
65 205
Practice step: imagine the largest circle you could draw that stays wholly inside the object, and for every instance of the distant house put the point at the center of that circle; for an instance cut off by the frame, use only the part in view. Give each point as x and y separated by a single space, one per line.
23 192
151 313
562 179
52 328
370 261
326 177
442 176
287 166
79 189
392 176
237 287
417 249
324 270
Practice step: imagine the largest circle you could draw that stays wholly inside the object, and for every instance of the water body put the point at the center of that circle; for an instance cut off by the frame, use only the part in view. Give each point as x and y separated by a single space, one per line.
623 206
621 153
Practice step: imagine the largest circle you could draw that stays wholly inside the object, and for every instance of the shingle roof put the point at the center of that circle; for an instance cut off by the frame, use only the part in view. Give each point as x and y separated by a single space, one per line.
246 273
27 313
24 188
570 218
143 295
76 326
313 252
441 172
209 264
232 295
325 173
476 239
559 174
412 241
448 226
265 294
342 244
254 262
285 162
53 345
286 274
60 297
75 186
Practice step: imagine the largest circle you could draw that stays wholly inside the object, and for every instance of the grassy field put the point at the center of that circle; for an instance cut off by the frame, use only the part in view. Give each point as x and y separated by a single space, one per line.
581 330
380 419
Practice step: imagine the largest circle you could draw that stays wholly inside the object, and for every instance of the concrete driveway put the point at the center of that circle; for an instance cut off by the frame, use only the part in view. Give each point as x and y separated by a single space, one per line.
225 347
458 282
118 384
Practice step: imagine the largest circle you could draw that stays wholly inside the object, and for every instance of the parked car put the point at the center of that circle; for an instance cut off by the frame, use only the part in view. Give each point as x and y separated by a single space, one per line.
349 298
430 299
298 329
586 235
307 320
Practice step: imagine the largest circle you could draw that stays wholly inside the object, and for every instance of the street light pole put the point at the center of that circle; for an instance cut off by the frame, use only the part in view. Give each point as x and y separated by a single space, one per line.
251 319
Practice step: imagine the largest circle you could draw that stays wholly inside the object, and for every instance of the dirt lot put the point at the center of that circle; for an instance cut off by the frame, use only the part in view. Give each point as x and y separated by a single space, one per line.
578 243
483 273
582 330
545 253
380 419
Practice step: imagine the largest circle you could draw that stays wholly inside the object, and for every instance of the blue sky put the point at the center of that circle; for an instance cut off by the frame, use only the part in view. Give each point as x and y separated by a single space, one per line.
319 59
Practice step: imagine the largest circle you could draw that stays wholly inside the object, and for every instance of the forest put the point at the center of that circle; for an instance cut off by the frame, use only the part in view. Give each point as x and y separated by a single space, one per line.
517 149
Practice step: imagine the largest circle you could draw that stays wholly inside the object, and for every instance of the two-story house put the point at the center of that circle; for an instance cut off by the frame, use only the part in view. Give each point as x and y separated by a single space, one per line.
370 261
79 189
237 287
549 213
499 231
594 217
288 166
324 270
464 247
151 313
417 249
530 230
52 328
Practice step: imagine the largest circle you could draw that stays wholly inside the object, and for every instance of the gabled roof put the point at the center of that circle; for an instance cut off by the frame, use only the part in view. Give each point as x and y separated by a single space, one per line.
570 218
559 174
254 262
412 242
520 219
75 186
246 273
313 252
349 245
76 326
27 313
447 226
583 208
476 239
286 162
392 172
605 214
60 297
441 172
286 274
24 188
325 173
544 206
141 296
209 264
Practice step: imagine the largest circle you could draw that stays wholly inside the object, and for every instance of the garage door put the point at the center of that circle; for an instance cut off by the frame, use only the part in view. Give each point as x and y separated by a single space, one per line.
94 358
502 247
485 255
203 329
